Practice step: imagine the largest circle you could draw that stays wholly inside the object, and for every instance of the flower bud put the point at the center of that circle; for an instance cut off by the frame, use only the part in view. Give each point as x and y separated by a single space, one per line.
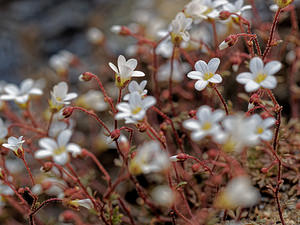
224 15
86 76
121 30
67 111
228 42
47 167
115 134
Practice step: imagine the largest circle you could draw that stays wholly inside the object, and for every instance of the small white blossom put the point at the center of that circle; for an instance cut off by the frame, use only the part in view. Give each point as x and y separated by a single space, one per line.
135 110
58 149
179 27
262 127
205 73
213 8
21 95
50 186
60 95
95 35
239 132
92 100
14 143
135 87
206 124
238 193
125 70
163 195
179 69
260 76
150 158
196 10
236 7
61 61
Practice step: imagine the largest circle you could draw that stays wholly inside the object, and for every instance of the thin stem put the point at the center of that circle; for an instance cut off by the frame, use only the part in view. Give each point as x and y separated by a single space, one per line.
50 122
274 24
171 79
27 168
213 23
222 99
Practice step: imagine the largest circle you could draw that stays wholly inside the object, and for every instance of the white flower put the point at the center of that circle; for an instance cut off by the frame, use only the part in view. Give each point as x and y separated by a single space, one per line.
213 6
262 127
135 110
21 95
150 158
125 70
260 76
196 10
135 87
238 7
60 95
205 73
3 130
50 186
59 149
93 100
86 203
61 61
179 69
179 27
6 191
206 123
163 195
239 132
238 193
95 35
14 143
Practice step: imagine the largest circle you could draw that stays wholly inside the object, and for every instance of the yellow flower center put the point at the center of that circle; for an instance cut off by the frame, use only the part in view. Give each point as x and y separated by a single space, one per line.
208 75
206 126
260 77
136 110
259 130
59 150
229 146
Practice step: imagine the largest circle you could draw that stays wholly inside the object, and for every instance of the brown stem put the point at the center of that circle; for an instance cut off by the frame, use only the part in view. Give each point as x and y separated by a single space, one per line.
222 99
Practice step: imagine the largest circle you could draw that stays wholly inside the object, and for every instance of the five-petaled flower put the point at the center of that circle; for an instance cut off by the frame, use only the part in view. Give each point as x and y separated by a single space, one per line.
60 96
179 27
21 95
260 76
135 87
14 144
58 149
262 127
205 73
125 70
206 124
135 110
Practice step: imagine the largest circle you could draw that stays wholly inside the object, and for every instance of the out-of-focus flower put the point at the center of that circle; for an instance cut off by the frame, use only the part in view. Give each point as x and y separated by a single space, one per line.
86 203
238 193
92 100
150 158
135 110
3 131
20 95
50 186
239 132
179 27
125 70
61 61
135 87
59 150
95 36
163 195
60 96
260 76
196 10
262 127
116 29
236 7
212 8
5 190
205 73
14 144
206 124
179 70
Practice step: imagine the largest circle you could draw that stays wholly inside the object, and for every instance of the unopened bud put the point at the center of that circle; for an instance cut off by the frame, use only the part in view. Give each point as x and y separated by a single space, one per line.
86 76
115 134
121 30
224 15
179 157
67 111
47 167
228 42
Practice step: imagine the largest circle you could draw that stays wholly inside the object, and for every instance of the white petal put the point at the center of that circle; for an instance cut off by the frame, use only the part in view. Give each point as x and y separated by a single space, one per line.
218 115
201 66
42 154
213 65
200 85
137 74
243 78
48 143
121 61
198 135
7 97
64 137
272 67
215 79
204 113
267 135
191 124
70 96
268 122
36 91
132 63
133 86
120 115
123 106
270 82
26 85
113 67
74 149
251 86
195 75
126 97
11 89
61 159
22 99
256 65
149 101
